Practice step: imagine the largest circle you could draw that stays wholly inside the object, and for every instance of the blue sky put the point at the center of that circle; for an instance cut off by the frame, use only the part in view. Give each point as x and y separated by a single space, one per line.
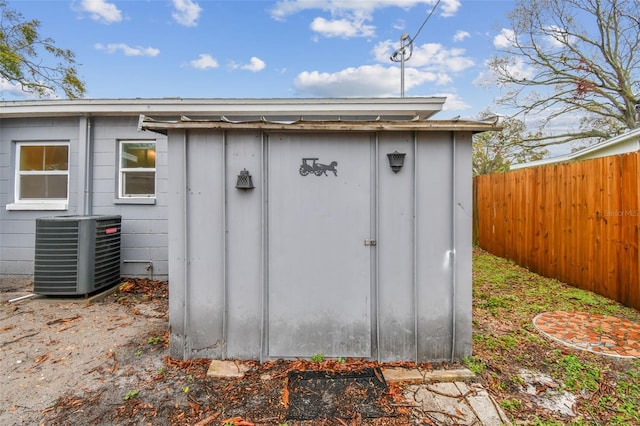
276 49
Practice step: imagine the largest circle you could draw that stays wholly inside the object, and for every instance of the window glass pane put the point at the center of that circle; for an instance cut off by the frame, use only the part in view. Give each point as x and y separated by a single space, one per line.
139 183
32 187
43 187
136 155
31 158
57 186
56 157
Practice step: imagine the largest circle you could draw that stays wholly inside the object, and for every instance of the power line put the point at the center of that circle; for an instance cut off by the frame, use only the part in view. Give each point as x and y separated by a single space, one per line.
400 53
425 21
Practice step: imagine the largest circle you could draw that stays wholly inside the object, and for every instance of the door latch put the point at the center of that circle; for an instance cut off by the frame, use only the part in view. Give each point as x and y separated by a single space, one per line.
369 242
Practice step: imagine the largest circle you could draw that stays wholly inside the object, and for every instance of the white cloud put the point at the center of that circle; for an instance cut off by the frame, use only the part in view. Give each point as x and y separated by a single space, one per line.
348 17
284 8
505 39
436 56
255 65
450 7
431 56
399 25
342 28
514 66
186 12
453 103
101 10
486 78
461 35
204 61
368 80
14 90
128 50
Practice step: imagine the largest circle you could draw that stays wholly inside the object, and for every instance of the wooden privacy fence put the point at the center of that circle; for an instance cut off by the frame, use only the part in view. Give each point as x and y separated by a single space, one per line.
577 222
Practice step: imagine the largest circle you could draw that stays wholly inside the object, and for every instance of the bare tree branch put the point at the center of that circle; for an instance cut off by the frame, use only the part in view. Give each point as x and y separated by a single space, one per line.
573 58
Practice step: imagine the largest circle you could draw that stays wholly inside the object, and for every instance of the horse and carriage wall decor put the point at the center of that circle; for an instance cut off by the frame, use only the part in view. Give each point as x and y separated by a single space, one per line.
316 168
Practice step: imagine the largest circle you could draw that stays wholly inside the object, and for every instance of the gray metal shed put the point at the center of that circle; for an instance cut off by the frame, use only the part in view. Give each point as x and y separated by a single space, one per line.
328 249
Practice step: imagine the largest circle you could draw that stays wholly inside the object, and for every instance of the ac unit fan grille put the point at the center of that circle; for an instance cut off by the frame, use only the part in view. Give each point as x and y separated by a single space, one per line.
76 254
56 257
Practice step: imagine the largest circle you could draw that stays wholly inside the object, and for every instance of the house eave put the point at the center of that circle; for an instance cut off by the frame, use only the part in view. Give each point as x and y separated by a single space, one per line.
578 155
421 107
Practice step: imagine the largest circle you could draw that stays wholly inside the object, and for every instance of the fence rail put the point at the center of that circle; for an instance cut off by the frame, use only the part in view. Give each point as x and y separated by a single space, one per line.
577 222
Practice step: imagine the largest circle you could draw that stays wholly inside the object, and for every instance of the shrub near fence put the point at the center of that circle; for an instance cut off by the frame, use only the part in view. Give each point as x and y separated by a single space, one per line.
577 222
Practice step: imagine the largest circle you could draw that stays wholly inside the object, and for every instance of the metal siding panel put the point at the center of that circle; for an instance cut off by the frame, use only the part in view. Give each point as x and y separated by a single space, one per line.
434 232
244 247
396 315
319 267
177 244
205 244
464 248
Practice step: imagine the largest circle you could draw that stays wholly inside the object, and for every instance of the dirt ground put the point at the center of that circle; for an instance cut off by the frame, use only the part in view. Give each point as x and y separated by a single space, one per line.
69 362
54 347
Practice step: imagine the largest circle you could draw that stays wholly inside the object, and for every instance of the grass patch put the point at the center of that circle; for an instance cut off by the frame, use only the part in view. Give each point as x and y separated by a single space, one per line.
506 298
475 364
578 375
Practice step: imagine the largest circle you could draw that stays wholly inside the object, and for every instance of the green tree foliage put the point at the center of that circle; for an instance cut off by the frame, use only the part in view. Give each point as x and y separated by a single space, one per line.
494 152
572 58
33 62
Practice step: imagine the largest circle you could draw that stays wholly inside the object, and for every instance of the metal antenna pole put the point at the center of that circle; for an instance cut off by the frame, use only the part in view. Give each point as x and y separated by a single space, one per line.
403 38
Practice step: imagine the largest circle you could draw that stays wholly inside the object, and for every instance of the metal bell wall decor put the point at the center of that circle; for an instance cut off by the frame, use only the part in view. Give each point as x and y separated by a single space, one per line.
396 160
244 180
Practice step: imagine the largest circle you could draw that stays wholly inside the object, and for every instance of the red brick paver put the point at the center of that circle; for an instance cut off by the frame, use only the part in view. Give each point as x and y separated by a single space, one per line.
601 334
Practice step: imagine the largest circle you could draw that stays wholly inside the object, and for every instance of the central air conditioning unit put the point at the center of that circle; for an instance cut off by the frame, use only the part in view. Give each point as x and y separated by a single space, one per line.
76 255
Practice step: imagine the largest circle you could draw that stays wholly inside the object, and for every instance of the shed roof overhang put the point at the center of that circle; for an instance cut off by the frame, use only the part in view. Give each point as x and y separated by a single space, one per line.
274 108
159 126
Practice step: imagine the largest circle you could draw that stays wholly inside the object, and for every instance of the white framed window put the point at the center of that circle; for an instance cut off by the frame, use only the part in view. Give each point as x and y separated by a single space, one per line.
137 169
42 174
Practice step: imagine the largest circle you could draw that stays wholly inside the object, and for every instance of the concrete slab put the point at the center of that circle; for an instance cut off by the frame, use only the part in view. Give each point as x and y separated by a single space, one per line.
455 403
93 298
443 404
404 375
484 407
461 374
226 369
415 375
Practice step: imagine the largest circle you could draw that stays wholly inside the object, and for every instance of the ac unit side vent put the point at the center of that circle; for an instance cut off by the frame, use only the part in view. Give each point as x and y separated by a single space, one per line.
76 255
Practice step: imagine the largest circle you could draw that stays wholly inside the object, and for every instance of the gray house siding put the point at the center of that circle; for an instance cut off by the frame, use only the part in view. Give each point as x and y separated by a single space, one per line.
17 228
93 169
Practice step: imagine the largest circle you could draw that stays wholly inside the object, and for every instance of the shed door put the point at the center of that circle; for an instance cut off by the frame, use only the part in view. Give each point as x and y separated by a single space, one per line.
319 268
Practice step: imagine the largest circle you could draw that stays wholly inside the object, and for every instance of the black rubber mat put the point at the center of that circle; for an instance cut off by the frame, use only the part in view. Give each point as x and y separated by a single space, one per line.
328 394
